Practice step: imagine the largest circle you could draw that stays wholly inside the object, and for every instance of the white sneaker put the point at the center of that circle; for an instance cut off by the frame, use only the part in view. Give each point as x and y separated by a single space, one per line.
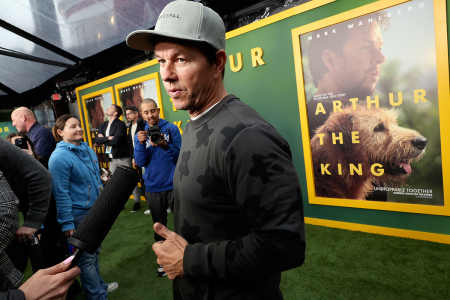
112 287
147 212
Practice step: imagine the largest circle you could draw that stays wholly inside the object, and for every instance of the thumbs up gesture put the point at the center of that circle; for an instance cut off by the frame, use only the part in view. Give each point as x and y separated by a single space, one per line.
170 252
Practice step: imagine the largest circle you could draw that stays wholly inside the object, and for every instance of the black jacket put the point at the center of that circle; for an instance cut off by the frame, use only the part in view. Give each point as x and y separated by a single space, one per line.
12 295
6 293
130 139
119 142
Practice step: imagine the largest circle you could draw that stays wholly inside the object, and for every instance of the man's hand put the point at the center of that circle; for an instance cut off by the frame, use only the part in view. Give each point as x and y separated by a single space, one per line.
51 283
23 234
110 137
170 253
142 136
162 144
100 135
134 163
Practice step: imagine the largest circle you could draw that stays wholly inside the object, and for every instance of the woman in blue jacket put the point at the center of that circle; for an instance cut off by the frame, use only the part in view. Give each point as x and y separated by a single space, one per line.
76 184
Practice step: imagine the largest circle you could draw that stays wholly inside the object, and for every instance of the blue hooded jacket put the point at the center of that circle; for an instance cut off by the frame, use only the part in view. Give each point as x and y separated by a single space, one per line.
159 163
75 181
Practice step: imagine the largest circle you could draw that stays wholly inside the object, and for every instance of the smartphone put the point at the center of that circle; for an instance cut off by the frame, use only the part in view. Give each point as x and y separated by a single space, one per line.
104 172
21 143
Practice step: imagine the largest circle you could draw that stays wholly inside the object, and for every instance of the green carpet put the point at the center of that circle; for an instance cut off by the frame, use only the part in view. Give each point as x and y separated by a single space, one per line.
340 264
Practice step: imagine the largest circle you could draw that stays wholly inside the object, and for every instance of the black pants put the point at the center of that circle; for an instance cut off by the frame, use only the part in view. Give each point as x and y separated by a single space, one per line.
158 204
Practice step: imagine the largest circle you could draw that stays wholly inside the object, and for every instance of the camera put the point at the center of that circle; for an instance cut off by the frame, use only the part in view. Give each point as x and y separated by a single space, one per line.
154 134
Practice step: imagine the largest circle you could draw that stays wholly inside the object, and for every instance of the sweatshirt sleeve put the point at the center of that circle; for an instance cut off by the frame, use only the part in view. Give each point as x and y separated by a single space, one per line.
32 175
259 172
173 149
142 154
9 223
12 295
61 171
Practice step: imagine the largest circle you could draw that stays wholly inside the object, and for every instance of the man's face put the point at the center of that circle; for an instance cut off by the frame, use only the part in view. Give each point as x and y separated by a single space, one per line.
98 115
358 68
187 75
110 111
18 122
138 96
131 116
150 113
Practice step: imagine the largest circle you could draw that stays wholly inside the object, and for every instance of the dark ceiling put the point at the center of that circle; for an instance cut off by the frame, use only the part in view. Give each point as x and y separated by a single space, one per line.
56 41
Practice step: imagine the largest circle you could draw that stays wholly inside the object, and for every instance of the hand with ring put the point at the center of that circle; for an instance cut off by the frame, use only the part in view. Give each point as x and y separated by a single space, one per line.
23 234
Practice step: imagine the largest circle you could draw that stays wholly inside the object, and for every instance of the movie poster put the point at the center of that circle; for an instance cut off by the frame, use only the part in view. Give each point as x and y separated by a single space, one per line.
371 90
133 95
95 111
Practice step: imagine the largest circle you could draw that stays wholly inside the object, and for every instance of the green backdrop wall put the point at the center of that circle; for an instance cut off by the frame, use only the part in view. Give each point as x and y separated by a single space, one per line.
271 90
6 128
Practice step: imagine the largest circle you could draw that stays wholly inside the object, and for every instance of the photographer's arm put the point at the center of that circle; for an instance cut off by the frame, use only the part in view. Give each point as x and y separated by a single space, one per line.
142 154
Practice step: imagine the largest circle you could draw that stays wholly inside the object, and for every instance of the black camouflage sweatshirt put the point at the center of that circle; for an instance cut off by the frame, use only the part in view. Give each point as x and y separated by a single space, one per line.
238 203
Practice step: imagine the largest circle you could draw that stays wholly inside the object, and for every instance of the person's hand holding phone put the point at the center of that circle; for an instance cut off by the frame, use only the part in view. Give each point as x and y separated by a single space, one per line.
28 149
24 145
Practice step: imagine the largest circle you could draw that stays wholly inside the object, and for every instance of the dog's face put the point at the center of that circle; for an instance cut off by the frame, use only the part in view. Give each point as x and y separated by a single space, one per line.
381 141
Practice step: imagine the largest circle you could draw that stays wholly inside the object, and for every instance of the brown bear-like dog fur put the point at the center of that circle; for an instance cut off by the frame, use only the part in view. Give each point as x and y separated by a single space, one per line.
381 141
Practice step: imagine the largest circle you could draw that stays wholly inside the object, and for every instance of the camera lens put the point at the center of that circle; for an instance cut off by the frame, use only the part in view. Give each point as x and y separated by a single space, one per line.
155 138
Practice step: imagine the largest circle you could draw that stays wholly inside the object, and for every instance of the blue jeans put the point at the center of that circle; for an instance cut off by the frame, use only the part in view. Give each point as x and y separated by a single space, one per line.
94 287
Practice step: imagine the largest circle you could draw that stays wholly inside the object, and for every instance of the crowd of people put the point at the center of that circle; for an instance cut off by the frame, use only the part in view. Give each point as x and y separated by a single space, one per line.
230 181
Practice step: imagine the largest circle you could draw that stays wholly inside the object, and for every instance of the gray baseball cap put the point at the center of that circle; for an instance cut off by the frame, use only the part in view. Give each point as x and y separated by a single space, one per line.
185 20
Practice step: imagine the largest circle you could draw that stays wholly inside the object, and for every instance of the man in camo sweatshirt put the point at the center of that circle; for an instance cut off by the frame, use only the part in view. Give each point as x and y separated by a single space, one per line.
238 207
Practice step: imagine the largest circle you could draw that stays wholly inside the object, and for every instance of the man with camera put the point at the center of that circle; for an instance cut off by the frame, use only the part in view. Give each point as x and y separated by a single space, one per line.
156 149
25 121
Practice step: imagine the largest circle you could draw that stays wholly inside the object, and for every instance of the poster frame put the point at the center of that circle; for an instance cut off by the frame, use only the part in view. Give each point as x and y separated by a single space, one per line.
141 79
440 27
85 124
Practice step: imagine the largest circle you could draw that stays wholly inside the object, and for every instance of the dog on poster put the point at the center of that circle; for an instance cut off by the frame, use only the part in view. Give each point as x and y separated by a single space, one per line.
356 147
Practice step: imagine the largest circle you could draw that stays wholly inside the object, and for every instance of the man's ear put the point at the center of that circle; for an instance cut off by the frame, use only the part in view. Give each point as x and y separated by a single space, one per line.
221 60
331 60
23 118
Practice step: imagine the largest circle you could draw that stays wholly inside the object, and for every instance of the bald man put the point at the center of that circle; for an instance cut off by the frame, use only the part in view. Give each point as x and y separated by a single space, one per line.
24 120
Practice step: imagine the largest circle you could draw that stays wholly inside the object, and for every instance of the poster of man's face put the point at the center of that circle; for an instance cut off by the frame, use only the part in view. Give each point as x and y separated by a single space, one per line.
96 111
373 108
96 108
134 94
